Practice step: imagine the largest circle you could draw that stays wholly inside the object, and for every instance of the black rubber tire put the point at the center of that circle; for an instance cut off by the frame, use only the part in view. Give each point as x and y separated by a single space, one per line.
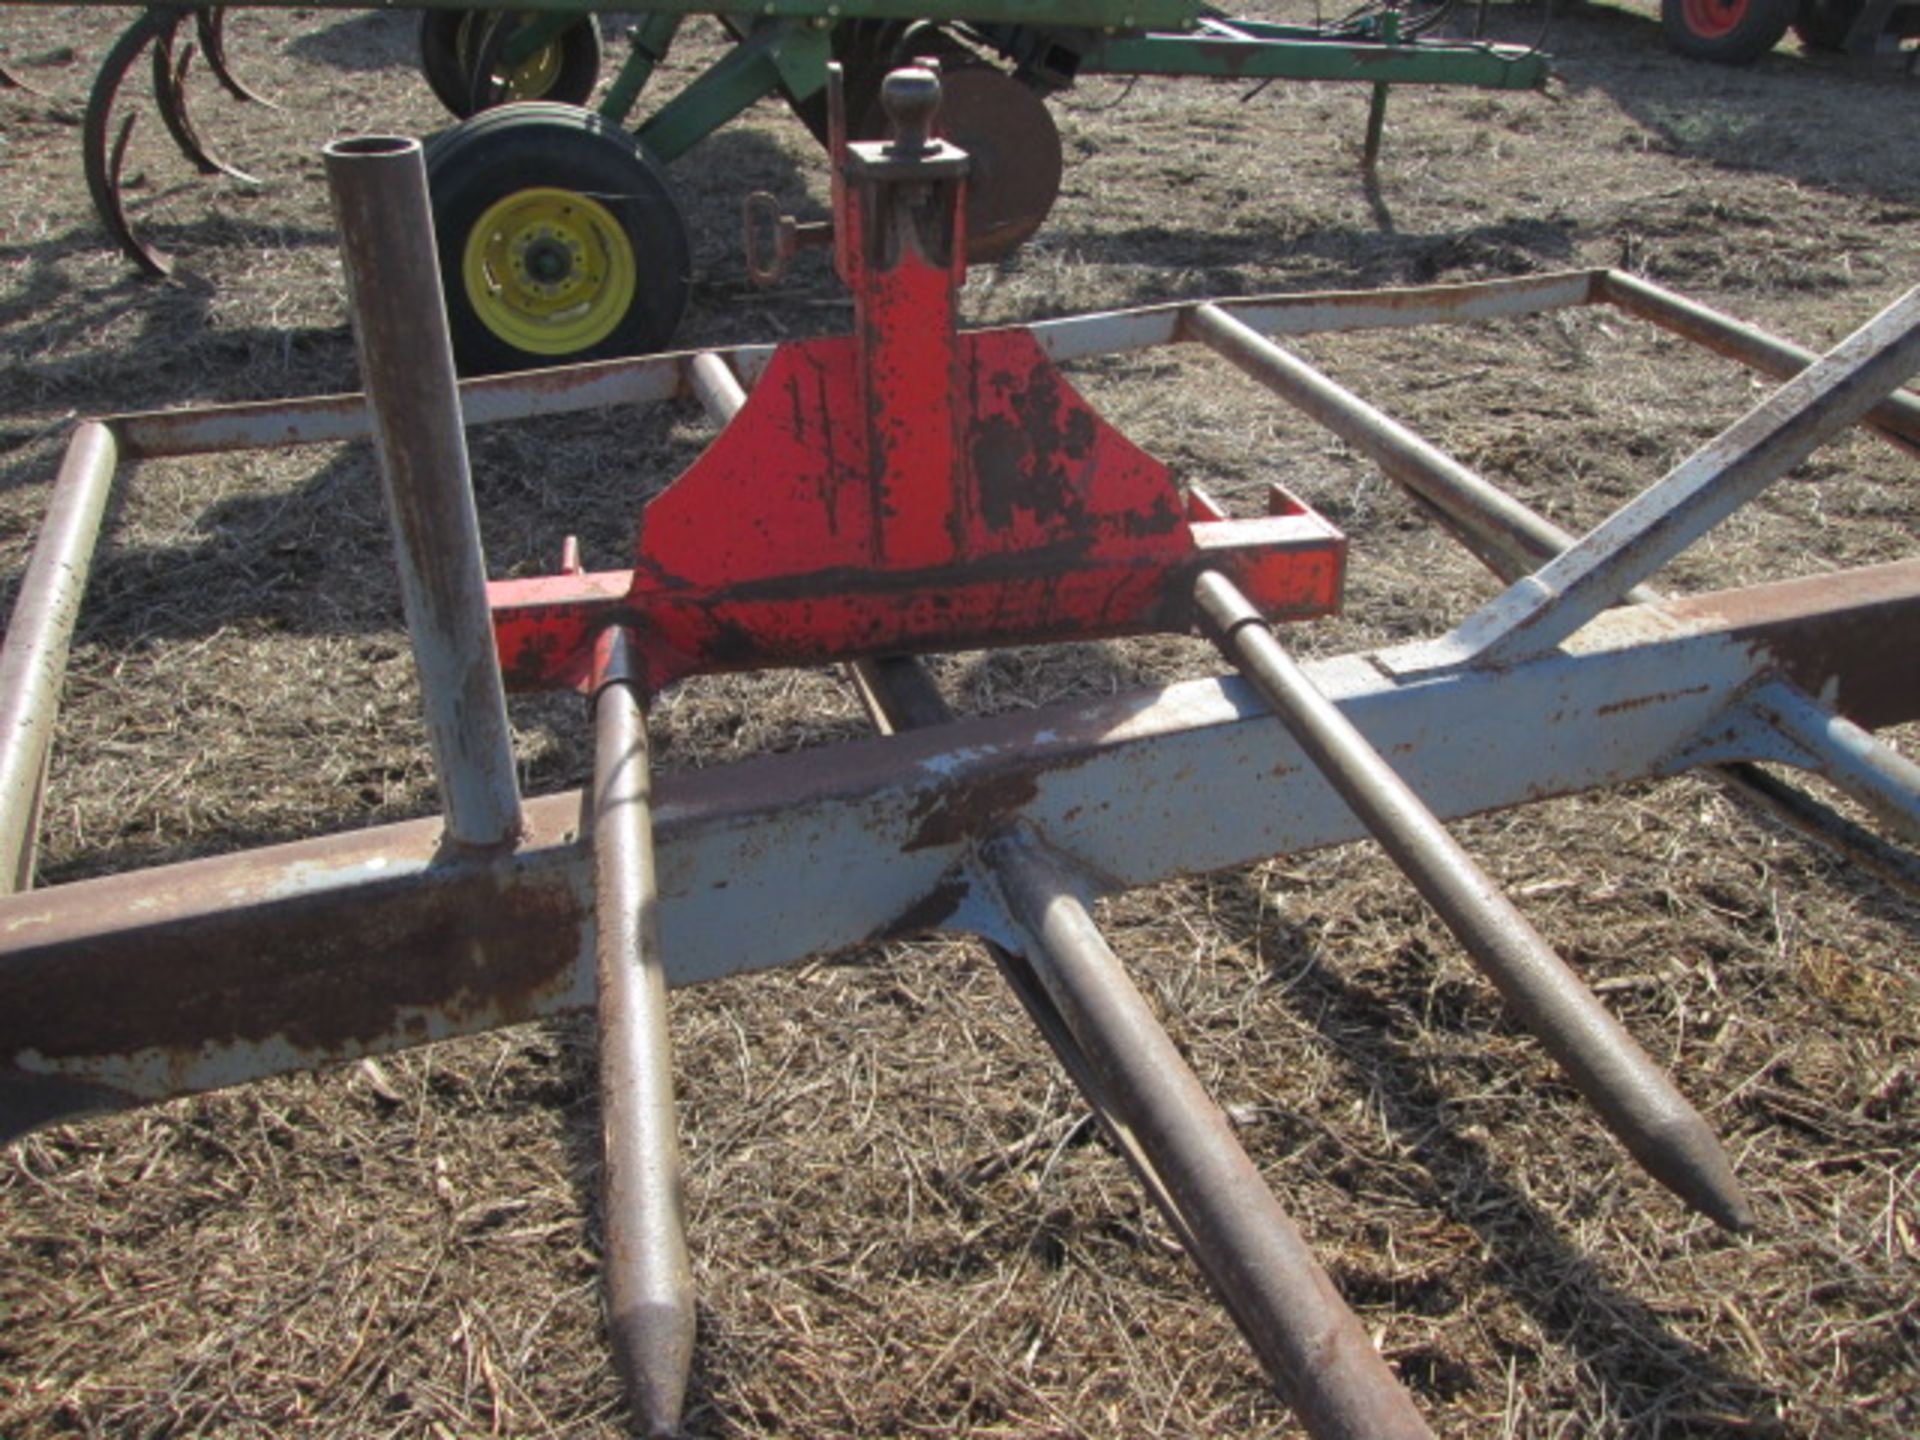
1823 24
451 42
1746 30
538 145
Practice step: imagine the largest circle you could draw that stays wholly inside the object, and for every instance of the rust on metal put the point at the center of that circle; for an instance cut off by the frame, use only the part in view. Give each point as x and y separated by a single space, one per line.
1639 1104
930 487
649 1277
1851 641
33 662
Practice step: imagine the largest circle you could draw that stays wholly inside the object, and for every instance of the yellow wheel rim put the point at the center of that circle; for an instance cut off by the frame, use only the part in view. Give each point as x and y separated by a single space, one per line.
532 78
549 271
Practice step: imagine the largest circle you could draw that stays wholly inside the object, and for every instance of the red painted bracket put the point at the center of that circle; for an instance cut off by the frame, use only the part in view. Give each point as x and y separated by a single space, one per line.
909 488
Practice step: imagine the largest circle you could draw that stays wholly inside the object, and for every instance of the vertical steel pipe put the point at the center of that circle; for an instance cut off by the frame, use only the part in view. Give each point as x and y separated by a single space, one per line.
33 662
1639 1104
1319 1355
649 1279
379 186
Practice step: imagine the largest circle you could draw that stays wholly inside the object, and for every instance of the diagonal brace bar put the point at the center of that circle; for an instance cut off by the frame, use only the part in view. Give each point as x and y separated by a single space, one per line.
1875 774
1541 610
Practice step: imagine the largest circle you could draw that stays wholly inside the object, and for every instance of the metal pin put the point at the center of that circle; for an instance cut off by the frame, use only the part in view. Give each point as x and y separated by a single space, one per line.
1638 1103
1165 1125
649 1279
1313 1345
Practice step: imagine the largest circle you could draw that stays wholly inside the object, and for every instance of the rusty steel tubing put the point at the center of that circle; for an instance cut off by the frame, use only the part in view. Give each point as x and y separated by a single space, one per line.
1896 419
1511 539
33 662
1502 530
379 187
1639 1104
1313 1345
901 695
1729 470
649 1278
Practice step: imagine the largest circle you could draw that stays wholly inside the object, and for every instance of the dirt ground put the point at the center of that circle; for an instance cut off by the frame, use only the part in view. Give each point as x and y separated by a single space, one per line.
901 1223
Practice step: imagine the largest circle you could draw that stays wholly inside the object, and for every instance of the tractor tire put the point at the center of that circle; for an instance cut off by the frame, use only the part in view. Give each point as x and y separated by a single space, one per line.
559 239
1727 32
1823 24
454 42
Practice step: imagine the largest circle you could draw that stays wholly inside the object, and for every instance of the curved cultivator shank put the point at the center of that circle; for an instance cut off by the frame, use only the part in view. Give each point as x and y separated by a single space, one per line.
104 149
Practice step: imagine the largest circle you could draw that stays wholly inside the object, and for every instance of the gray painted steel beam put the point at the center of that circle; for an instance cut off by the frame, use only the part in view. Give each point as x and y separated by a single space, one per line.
189 977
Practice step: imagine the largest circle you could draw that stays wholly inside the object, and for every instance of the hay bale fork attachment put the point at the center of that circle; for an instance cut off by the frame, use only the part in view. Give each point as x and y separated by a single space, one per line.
913 487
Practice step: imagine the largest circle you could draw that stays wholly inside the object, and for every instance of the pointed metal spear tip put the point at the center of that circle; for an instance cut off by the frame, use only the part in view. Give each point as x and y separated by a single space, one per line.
653 1347
1685 1155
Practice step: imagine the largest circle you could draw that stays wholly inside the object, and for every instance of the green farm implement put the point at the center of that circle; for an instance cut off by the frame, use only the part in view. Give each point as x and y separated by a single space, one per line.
560 237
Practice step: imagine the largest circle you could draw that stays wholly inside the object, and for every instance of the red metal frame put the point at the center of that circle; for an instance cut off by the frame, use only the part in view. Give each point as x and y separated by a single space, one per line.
909 487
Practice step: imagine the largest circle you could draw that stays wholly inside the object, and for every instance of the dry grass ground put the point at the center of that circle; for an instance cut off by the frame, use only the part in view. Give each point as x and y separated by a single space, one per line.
901 1223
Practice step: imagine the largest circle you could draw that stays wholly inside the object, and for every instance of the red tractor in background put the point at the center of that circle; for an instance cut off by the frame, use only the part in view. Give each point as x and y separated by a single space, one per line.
1734 32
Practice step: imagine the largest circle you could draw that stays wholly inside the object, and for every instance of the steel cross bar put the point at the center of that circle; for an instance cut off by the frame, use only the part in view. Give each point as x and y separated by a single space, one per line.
1546 607
38 634
1896 419
1878 776
181 978
34 660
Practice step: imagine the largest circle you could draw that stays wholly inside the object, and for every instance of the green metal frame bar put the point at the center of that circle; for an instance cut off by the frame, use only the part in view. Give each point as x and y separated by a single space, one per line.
1300 58
1075 14
652 38
787 45
790 54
